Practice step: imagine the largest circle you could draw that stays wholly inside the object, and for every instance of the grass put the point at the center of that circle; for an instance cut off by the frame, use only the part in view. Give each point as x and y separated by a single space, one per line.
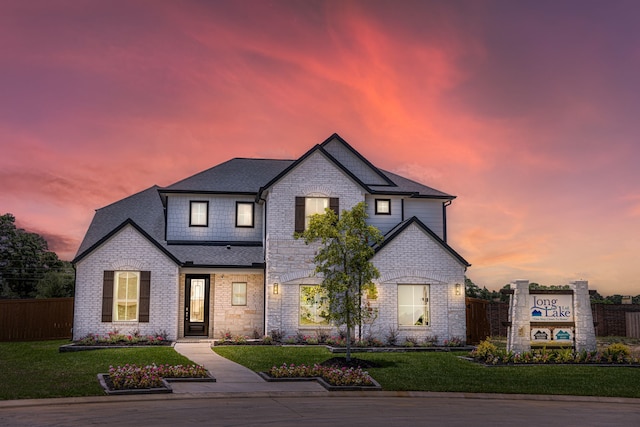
445 372
37 370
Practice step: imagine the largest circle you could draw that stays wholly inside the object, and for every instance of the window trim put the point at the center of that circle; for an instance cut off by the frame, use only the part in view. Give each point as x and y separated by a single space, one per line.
206 215
126 300
253 214
233 293
426 306
378 211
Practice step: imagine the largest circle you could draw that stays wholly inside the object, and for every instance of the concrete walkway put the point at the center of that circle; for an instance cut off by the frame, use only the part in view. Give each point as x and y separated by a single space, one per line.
231 377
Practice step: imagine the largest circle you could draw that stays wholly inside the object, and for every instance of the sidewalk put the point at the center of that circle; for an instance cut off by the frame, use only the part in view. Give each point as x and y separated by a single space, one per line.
231 377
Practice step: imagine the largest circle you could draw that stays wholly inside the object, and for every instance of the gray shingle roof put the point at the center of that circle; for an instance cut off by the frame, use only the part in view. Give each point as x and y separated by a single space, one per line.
404 185
236 176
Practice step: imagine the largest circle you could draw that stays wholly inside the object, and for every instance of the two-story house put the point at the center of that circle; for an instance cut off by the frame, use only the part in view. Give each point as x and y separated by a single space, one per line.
216 252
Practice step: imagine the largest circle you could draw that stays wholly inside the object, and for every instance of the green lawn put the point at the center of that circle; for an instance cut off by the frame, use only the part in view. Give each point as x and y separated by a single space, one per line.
435 371
37 370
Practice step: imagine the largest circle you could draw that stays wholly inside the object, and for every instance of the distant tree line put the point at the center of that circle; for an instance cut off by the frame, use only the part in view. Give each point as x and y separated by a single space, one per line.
474 291
27 268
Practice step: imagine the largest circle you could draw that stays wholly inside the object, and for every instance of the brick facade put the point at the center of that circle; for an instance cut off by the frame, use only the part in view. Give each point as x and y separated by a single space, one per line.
126 250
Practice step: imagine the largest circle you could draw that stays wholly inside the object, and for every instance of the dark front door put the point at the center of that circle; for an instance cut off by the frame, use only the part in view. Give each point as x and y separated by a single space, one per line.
196 305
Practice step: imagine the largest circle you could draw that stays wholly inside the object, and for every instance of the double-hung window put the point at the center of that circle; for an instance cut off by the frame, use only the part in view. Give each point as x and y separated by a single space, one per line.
306 207
239 293
413 305
126 292
313 206
199 213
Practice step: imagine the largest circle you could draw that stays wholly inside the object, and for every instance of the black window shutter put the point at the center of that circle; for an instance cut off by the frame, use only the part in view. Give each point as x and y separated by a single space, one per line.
145 293
299 227
107 296
334 205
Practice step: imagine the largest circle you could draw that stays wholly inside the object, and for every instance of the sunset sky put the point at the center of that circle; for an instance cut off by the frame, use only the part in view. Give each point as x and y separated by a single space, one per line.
528 111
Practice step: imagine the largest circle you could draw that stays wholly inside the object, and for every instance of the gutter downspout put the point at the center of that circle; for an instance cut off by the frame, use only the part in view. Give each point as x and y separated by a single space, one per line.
444 219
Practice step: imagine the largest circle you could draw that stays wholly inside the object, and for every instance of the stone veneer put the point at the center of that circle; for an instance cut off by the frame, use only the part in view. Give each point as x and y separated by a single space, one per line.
238 320
519 332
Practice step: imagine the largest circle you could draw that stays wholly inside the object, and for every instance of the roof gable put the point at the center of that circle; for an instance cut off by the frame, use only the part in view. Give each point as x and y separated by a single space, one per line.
127 222
400 228
354 161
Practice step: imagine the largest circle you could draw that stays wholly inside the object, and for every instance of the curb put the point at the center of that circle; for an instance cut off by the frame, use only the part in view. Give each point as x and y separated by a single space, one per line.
298 394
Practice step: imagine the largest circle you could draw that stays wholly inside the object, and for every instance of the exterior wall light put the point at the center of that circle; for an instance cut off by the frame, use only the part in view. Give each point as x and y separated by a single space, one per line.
275 289
458 289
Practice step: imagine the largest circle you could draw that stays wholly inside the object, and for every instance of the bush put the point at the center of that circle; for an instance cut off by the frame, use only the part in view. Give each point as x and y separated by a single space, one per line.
484 349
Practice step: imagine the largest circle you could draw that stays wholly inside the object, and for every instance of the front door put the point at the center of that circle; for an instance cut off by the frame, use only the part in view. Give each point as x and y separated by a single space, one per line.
196 305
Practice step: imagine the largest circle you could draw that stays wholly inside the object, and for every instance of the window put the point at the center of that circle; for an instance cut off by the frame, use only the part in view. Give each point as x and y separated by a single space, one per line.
312 206
126 291
199 216
312 306
413 305
244 214
307 206
126 295
239 293
383 206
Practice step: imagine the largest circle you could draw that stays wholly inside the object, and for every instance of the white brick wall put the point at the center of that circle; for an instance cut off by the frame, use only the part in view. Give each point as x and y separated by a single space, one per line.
412 258
289 261
127 250
415 258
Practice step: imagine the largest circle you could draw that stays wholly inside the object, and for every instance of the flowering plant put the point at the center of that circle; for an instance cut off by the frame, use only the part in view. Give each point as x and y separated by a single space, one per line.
331 374
150 376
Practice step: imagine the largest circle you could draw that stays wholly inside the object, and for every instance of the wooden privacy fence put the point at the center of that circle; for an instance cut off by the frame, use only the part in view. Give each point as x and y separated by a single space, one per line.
36 319
478 326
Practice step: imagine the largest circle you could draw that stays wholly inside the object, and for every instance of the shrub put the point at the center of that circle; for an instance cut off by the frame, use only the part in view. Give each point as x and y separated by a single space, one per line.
454 342
484 349
410 342
277 335
392 336
616 350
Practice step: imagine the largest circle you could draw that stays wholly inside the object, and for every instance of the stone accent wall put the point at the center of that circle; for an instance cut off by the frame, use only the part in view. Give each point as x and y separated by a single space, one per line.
519 333
239 320
127 250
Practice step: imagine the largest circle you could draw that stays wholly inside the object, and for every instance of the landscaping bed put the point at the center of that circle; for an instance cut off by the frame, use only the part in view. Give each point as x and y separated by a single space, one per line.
334 374
150 379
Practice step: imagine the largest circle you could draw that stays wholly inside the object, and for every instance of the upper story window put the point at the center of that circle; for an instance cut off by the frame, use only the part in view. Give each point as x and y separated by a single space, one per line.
199 215
308 206
244 214
383 206
313 206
